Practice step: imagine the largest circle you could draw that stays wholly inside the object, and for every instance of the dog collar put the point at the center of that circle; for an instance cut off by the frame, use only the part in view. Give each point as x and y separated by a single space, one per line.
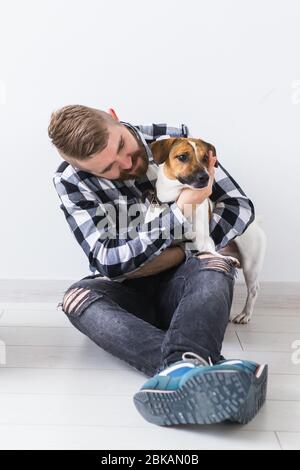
150 194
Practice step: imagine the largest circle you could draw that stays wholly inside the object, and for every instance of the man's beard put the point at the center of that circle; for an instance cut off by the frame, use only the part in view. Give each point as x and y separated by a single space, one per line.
141 157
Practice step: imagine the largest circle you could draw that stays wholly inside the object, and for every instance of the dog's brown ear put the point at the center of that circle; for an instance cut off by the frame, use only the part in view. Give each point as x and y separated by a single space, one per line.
213 149
161 149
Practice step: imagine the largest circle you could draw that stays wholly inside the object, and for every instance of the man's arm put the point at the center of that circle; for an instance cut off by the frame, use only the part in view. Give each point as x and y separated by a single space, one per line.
233 211
118 255
169 258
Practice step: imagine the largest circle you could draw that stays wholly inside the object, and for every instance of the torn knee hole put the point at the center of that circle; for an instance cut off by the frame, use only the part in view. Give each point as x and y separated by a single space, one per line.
74 299
213 262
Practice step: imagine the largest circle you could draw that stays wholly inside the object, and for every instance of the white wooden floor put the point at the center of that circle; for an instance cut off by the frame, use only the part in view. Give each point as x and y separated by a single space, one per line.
58 390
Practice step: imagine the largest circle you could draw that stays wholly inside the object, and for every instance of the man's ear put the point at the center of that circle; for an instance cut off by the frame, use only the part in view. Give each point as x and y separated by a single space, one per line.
161 149
113 114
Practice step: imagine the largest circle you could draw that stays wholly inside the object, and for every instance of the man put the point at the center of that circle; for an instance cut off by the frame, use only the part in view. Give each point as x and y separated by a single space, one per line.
152 301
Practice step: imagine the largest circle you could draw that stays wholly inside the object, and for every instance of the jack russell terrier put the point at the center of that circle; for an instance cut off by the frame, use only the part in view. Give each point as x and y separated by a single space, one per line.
183 163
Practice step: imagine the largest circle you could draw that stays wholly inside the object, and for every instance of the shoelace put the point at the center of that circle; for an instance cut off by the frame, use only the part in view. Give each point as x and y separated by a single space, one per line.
195 359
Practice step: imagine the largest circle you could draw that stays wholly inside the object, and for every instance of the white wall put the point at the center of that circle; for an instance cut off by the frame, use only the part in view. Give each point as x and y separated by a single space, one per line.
226 68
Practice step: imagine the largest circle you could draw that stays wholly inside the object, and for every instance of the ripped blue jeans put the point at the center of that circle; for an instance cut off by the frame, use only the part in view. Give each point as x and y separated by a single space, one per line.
149 322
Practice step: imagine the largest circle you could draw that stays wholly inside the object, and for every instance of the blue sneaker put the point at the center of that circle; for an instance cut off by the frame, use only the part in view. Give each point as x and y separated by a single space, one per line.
192 391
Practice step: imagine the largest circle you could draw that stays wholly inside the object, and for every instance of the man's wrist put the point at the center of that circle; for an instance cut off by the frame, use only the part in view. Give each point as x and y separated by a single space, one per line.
170 257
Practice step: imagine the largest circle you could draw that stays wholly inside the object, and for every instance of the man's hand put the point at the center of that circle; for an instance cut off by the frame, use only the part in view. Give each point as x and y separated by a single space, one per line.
169 258
231 249
189 198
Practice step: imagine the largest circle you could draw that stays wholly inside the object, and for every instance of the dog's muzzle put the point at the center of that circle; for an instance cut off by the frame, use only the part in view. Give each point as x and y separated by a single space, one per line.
196 180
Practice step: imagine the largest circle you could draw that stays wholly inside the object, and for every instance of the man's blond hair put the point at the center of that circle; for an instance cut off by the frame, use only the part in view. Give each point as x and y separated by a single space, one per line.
79 131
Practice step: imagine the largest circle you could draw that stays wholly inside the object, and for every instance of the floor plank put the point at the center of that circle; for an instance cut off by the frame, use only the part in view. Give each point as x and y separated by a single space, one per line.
82 410
71 381
277 416
268 341
278 362
269 324
155 437
88 356
31 316
289 440
110 382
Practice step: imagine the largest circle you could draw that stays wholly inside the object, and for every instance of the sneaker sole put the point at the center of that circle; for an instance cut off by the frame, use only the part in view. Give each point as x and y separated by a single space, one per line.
206 398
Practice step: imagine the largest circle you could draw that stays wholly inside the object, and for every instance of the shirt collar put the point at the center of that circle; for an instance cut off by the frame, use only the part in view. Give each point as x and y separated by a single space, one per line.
141 137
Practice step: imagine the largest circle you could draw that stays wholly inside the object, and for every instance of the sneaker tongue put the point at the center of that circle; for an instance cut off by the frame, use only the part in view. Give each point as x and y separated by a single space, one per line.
195 359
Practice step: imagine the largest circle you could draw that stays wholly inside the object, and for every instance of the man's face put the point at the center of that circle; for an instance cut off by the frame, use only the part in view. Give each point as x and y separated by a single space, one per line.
124 157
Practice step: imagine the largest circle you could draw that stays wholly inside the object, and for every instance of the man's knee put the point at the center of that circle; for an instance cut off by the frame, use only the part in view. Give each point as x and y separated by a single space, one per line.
73 299
76 299
226 264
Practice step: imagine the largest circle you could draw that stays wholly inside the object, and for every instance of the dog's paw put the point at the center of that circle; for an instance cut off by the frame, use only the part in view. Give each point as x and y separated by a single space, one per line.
241 319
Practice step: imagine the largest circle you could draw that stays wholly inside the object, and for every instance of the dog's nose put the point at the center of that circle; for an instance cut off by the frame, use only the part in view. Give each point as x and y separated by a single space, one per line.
202 178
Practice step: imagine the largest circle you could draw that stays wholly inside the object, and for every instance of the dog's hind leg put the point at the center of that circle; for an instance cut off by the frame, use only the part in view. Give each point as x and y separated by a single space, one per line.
252 293
252 246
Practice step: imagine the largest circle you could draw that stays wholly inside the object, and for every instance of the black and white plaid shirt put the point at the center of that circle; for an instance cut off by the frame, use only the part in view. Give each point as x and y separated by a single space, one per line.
93 207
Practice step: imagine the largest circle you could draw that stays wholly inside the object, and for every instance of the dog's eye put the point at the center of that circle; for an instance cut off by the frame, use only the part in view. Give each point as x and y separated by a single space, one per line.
182 158
205 158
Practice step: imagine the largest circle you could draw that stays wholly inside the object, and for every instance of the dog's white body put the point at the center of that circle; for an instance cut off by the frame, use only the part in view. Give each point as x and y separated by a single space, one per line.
251 244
